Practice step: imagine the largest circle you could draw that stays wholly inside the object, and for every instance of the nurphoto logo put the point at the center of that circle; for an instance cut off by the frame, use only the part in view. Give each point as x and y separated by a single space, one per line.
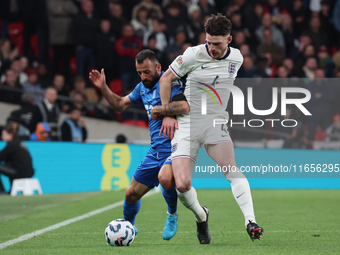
239 98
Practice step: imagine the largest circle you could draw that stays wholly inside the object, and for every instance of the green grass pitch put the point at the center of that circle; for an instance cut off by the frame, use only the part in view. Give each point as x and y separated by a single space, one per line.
294 222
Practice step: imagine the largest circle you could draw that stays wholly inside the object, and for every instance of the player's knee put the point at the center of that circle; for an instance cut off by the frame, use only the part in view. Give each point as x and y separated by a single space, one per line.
166 180
229 165
183 186
131 196
228 162
166 177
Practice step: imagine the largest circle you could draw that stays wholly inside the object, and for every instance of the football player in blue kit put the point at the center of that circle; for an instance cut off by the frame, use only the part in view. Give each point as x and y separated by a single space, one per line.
146 175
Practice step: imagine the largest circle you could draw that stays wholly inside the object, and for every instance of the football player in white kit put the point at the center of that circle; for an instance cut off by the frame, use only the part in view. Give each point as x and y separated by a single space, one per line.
210 70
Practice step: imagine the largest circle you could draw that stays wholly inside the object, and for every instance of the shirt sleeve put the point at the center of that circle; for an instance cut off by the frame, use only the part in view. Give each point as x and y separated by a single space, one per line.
238 66
176 89
135 95
183 63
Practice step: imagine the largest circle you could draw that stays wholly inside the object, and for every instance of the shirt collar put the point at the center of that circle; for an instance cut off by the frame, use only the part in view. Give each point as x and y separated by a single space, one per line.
225 56
48 104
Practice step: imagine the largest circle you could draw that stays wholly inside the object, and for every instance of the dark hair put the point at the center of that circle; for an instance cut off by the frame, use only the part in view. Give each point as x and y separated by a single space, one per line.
27 96
51 87
218 25
10 129
144 54
268 29
79 79
121 138
152 36
74 107
142 9
17 58
58 74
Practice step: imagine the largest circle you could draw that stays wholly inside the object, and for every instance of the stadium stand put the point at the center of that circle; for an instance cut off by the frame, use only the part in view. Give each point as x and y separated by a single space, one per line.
309 39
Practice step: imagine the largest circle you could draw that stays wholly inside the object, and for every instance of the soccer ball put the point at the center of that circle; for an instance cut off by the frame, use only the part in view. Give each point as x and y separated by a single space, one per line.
119 233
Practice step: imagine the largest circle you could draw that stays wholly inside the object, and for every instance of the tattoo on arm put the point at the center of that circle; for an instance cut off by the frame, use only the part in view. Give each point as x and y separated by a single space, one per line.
165 112
170 110
174 108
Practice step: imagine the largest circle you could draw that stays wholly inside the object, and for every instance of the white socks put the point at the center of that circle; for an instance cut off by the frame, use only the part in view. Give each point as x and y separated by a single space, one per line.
173 214
241 191
189 200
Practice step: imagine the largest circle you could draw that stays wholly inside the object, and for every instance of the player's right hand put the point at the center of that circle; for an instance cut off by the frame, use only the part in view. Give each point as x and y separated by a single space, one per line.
168 127
155 115
97 79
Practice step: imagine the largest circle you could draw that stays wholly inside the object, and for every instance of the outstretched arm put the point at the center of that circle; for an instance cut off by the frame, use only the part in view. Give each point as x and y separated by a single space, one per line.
118 103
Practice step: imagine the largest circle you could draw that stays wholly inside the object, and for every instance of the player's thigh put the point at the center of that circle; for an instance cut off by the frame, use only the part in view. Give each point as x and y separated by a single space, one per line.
147 172
185 144
222 153
136 191
166 176
182 170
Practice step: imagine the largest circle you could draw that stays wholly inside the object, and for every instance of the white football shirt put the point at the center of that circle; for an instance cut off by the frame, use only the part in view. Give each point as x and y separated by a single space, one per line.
207 81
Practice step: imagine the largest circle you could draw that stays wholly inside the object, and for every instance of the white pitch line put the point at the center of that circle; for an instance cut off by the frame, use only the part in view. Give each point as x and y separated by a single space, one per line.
219 231
67 222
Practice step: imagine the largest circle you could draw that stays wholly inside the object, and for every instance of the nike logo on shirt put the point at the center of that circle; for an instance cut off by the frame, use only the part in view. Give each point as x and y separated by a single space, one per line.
204 67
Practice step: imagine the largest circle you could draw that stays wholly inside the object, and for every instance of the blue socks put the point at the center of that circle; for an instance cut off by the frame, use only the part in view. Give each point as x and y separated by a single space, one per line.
170 197
130 210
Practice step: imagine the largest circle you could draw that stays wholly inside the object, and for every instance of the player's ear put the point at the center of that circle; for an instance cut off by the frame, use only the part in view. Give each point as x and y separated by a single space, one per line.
158 67
230 38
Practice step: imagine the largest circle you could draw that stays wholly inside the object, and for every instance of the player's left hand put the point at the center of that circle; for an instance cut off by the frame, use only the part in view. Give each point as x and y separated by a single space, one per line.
168 127
155 115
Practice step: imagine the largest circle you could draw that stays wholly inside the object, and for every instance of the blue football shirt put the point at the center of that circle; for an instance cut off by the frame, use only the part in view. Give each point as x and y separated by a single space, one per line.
150 98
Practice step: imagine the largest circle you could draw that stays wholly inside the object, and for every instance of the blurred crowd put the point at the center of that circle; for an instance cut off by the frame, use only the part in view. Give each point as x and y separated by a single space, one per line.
52 45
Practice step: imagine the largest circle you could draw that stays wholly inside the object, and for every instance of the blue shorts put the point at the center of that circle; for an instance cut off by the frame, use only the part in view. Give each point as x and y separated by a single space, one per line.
168 161
147 172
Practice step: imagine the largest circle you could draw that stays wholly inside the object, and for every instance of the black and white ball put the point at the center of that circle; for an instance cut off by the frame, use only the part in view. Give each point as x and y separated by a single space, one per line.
119 233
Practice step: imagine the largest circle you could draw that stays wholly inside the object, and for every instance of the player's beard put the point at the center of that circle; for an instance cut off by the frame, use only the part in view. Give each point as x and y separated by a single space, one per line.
219 54
151 83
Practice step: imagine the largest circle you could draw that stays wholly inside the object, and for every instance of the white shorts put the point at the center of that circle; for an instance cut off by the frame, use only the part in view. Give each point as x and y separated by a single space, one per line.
186 141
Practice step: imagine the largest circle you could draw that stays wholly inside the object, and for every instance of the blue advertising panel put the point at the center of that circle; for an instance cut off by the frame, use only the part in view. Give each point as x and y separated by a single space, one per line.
63 167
